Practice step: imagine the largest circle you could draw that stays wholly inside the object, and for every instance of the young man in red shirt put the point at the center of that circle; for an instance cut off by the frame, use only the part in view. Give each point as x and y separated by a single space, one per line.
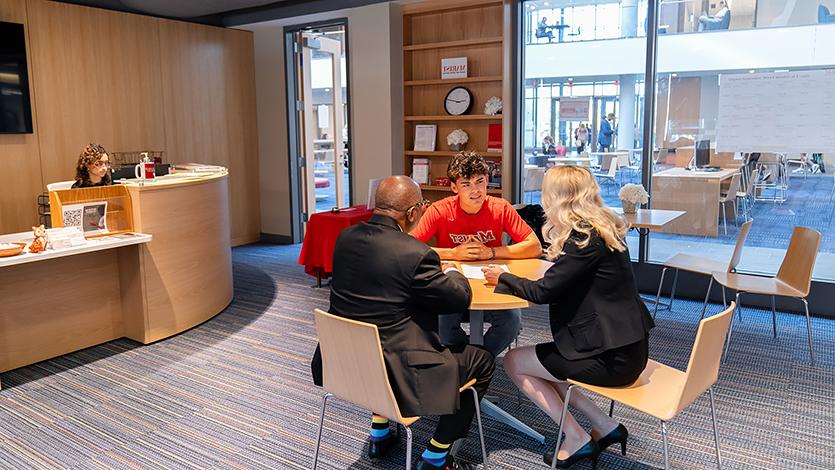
468 227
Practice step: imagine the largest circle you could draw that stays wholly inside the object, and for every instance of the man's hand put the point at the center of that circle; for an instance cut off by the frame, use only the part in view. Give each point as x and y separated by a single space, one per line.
492 273
471 250
446 265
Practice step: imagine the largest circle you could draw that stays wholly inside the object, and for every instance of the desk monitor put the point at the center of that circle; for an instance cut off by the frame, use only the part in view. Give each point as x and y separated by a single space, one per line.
702 153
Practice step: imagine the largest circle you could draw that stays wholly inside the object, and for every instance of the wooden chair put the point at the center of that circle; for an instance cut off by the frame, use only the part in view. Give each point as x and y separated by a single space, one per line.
730 196
353 370
794 279
699 265
663 391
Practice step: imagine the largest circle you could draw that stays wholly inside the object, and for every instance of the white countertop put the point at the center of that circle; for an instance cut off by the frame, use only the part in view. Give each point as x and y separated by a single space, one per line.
93 244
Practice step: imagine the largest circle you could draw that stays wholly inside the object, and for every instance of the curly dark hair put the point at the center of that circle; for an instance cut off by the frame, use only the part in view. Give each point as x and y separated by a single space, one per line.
466 164
90 155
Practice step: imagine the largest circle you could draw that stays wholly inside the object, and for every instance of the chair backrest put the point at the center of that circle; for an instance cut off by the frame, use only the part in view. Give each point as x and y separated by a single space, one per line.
352 364
623 160
59 185
740 242
703 367
613 168
533 179
796 268
734 186
752 180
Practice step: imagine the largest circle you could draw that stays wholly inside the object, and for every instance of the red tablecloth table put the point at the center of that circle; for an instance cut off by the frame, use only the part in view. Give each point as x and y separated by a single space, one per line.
323 229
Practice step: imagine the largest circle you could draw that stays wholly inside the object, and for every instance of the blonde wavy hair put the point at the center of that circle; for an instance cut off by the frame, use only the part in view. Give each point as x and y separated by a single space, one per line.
571 199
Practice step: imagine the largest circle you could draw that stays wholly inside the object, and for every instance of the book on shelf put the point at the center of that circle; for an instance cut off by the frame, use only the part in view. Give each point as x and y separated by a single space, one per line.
425 137
494 137
420 170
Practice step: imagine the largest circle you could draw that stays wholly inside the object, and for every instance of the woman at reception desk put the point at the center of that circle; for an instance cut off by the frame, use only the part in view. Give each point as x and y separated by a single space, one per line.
167 268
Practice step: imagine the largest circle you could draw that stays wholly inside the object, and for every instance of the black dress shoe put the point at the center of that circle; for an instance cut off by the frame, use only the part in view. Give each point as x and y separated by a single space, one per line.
450 464
588 451
379 449
619 434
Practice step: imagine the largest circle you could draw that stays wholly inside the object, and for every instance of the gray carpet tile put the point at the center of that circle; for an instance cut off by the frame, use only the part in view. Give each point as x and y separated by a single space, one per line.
236 393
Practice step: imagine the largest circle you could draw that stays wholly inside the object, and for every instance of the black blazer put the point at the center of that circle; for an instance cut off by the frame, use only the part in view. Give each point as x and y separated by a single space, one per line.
384 276
594 304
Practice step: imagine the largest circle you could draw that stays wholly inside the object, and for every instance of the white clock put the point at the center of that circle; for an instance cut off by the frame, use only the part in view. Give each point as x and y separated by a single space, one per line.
458 101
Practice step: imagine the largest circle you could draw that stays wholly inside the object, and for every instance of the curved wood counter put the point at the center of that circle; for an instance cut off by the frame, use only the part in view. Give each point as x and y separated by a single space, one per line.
171 277
187 268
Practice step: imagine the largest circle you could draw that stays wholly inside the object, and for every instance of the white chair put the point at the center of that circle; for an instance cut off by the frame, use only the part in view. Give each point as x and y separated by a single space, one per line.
59 185
611 174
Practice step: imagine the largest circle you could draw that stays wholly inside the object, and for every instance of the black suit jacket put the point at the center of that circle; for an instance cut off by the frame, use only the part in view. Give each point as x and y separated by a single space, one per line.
384 276
594 304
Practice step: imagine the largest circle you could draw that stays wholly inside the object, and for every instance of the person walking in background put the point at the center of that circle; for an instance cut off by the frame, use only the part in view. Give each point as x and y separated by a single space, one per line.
599 323
606 133
581 136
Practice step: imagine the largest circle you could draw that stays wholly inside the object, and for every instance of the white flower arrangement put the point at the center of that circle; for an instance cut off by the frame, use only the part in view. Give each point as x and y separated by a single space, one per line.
633 194
493 106
457 137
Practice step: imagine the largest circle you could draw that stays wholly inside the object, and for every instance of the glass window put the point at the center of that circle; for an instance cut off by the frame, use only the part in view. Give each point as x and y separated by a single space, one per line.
567 99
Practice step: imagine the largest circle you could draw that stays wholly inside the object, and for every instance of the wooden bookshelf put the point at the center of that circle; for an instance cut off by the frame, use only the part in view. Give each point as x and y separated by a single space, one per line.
439 29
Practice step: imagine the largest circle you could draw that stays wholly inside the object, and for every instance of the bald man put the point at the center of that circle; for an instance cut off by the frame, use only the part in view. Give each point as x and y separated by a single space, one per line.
382 275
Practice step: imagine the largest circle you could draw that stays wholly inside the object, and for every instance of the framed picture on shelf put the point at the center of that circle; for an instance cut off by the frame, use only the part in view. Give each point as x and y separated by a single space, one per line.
425 137
420 170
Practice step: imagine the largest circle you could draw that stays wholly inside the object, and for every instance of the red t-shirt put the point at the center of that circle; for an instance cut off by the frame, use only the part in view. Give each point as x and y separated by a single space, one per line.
451 226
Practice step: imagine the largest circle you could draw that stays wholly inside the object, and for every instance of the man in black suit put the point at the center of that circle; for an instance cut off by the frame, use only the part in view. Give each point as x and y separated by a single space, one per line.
382 275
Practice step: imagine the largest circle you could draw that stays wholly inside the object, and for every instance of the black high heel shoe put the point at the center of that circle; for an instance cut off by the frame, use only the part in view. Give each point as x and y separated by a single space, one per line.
619 434
588 451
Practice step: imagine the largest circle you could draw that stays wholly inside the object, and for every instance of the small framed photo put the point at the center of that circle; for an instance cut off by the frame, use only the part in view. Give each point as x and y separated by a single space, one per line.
90 217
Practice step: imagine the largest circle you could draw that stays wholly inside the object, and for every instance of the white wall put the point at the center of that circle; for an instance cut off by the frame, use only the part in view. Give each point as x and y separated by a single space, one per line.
376 104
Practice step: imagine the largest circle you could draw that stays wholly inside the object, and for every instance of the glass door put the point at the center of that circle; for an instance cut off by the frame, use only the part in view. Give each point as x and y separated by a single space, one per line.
321 118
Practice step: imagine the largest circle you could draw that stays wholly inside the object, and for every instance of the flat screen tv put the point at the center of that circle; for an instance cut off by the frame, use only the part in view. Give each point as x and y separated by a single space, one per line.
15 108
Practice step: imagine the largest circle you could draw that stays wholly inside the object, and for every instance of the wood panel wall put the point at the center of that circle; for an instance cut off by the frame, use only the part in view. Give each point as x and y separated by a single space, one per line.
131 82
20 177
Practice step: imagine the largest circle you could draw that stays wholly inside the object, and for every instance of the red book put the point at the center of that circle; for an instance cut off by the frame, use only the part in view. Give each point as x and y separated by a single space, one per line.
494 137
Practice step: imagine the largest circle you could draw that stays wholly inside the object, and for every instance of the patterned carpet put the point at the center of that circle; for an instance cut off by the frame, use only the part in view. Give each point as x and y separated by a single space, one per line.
235 393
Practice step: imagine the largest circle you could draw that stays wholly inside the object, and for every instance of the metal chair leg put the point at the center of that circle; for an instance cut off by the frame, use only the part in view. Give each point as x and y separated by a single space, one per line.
408 447
611 408
319 433
666 449
731 327
480 428
658 294
773 317
707 295
673 292
724 219
562 422
809 330
715 428
724 301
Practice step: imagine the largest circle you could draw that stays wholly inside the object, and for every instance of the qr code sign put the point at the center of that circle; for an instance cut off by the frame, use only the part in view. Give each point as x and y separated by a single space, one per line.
72 218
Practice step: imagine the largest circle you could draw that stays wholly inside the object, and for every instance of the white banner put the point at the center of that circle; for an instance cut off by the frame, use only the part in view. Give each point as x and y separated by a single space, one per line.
575 109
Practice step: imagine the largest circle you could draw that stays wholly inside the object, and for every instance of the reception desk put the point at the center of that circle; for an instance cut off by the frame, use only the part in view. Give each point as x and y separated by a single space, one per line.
173 272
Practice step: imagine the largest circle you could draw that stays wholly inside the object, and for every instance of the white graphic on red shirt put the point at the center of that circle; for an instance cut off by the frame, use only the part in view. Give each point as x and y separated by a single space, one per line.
483 236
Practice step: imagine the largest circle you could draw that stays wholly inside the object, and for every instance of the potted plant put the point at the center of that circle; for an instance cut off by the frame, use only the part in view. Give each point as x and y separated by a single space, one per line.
630 196
457 140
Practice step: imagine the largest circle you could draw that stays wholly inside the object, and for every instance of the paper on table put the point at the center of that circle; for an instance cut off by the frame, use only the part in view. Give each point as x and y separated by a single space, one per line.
473 271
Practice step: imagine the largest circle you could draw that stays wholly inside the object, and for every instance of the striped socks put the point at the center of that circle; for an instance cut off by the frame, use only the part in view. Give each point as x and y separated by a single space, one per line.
435 453
379 428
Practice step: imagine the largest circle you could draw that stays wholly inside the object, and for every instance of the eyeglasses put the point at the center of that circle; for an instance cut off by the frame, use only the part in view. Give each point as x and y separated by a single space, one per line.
423 203
101 163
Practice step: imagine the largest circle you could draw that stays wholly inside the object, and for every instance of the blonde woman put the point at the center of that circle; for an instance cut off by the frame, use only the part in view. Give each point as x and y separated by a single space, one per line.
598 321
